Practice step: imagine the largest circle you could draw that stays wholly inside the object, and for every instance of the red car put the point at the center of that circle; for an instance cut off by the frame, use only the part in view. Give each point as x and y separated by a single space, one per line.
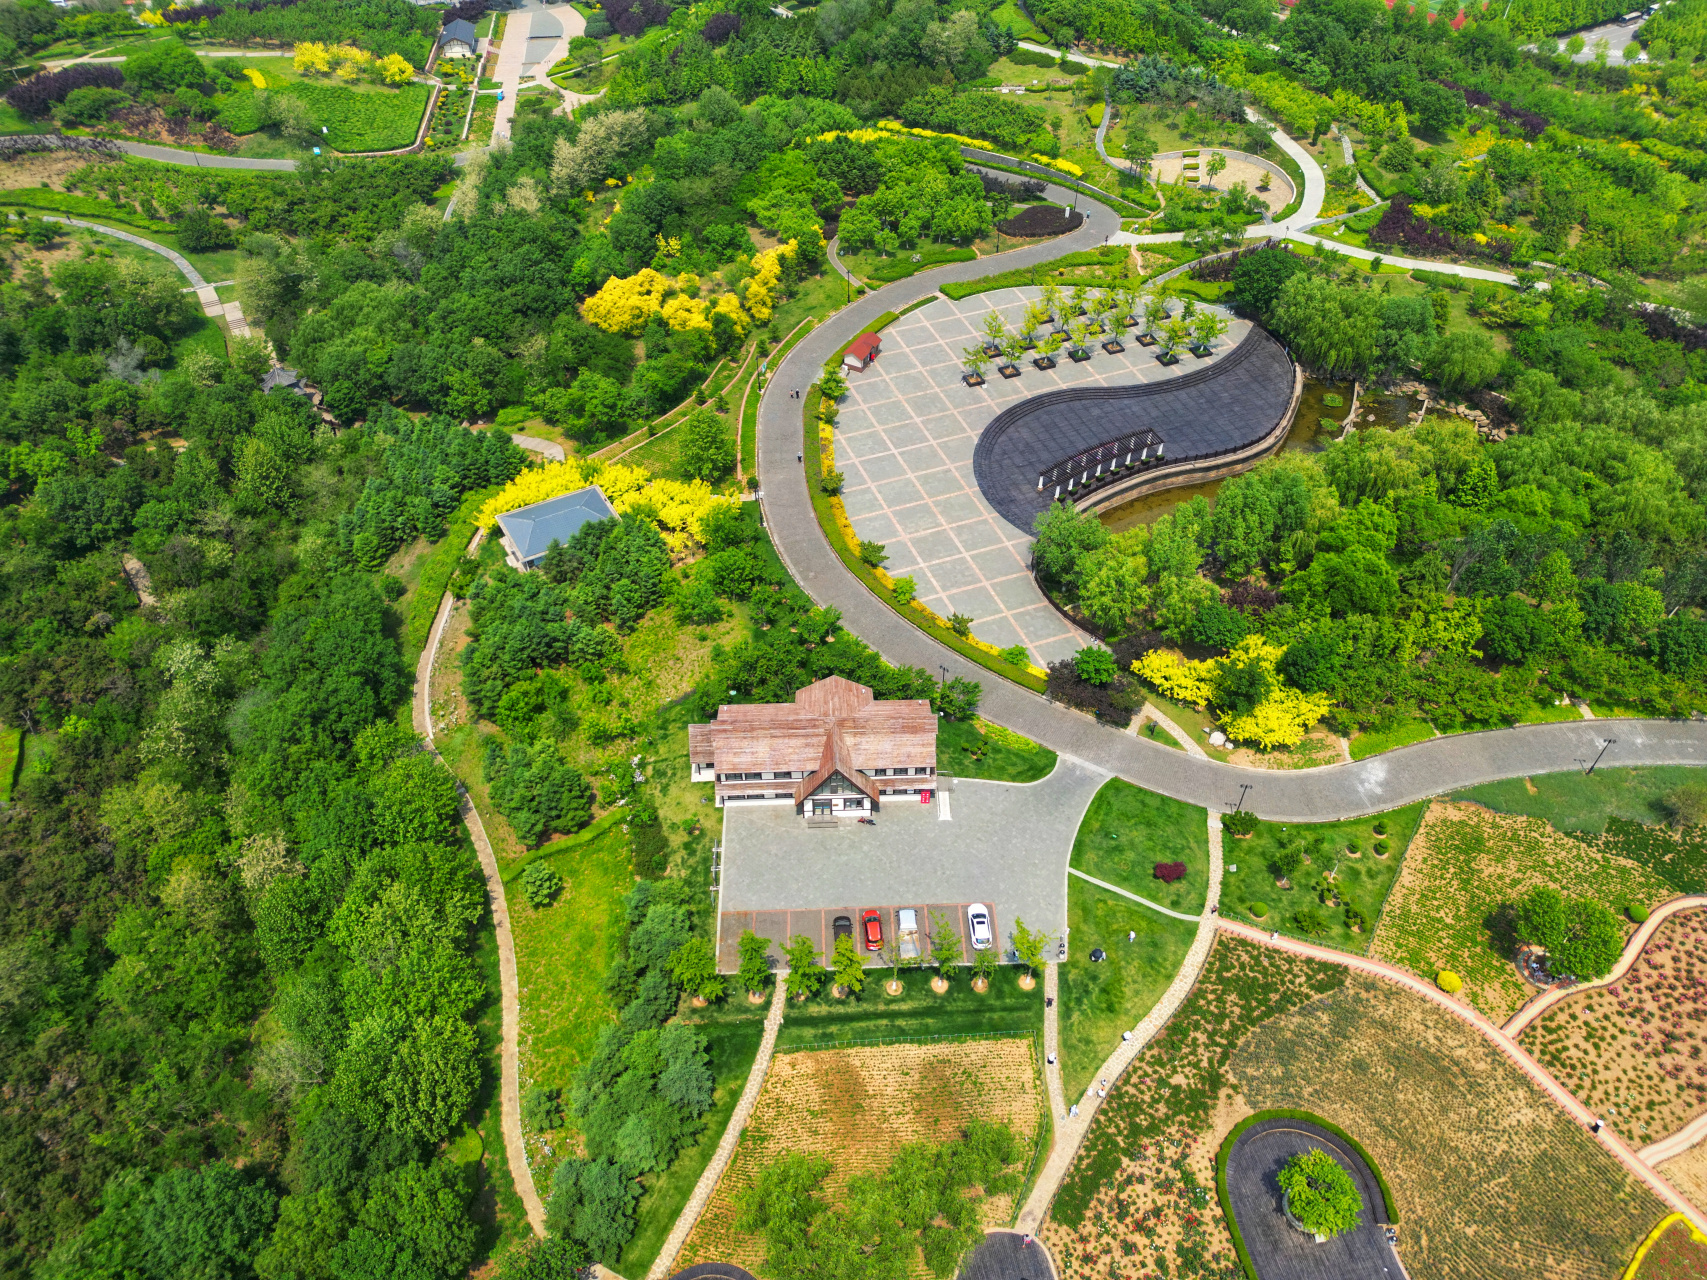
871 925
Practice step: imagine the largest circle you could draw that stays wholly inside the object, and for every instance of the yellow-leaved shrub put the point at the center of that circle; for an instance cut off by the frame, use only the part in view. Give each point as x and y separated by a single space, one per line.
677 507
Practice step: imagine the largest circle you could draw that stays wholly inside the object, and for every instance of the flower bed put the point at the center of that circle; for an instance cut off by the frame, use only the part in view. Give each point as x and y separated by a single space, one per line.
1042 220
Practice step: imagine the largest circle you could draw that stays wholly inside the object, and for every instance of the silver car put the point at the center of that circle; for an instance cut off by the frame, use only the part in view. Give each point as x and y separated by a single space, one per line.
979 921
907 932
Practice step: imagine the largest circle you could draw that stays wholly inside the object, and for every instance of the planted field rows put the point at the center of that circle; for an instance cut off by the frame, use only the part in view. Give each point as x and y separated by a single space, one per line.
365 121
1632 1052
1493 1180
858 1107
1452 907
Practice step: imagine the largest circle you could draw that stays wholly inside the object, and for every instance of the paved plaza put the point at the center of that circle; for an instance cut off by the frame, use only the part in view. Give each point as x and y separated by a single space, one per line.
1005 845
904 444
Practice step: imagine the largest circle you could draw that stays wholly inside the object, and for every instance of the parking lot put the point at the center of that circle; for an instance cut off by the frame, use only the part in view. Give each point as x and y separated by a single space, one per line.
1005 846
781 926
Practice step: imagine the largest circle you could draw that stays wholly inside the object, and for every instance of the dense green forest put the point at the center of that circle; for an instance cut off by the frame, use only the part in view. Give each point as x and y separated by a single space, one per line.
249 992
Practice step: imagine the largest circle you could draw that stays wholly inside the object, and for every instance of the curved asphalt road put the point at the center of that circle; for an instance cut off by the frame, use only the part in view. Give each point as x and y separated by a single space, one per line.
1309 795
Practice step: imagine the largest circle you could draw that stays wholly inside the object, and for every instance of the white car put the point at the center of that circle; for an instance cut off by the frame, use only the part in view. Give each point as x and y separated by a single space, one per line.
979 921
907 932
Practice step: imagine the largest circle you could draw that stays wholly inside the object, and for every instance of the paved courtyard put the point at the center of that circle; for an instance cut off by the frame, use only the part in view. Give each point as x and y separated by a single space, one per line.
904 443
1005 845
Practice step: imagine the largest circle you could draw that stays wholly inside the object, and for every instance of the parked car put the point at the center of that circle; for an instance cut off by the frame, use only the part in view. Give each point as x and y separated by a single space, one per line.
979 920
841 927
871 924
907 932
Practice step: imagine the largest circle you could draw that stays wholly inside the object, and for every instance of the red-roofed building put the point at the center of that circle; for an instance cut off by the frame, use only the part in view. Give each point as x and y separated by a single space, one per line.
862 351
834 749
1460 20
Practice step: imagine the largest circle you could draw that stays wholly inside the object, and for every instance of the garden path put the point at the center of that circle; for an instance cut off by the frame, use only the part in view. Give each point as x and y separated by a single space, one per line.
1070 1129
205 292
707 1184
1540 1004
1519 1058
509 986
1187 743
1127 893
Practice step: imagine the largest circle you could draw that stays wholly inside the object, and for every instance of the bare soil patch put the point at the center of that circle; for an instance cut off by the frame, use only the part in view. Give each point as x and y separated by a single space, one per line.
858 1107
1492 1179
1632 1051
1464 872
1688 1173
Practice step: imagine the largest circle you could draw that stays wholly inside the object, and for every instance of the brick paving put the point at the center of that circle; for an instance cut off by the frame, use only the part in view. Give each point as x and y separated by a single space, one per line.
904 443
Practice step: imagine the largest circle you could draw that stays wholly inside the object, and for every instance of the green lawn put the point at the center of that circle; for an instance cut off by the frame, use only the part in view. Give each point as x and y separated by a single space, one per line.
373 121
1576 801
917 1011
1155 733
11 751
734 1046
1128 831
207 336
1400 735
1364 880
977 749
1101 999
1008 14
562 952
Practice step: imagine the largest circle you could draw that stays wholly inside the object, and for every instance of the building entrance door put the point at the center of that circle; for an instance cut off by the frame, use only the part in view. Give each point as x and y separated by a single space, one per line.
821 806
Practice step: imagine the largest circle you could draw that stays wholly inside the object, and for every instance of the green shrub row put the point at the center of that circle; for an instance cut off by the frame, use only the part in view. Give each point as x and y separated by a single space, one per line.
1392 1206
82 207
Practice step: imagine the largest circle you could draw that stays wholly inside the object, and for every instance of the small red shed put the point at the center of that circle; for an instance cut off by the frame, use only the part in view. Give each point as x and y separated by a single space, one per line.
862 351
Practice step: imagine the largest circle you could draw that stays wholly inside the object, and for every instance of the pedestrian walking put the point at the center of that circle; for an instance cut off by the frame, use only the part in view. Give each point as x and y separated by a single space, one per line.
1132 935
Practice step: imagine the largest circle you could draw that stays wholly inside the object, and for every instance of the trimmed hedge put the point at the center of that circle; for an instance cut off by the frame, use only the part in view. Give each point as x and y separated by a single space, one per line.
1021 276
1226 1150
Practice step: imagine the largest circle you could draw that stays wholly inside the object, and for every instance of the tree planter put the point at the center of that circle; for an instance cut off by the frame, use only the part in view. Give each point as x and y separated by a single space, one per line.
894 986
1113 346
973 379
1044 362
1166 357
700 1002
1146 339
1027 981
755 997
1078 355
839 992
939 985
980 985
992 350
1008 370
1286 1208
1200 351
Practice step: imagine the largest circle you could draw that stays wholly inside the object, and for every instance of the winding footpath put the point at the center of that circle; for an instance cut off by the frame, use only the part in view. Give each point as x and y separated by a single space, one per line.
1496 1036
509 985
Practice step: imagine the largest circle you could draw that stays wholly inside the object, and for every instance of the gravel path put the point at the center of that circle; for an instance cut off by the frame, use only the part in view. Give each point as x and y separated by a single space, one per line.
551 449
1518 1057
731 1137
509 987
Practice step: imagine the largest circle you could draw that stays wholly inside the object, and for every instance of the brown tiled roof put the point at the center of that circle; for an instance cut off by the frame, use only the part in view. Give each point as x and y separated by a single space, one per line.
837 758
890 734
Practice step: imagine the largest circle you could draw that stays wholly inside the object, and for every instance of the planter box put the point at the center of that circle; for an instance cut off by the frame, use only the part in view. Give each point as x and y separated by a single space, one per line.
1044 362
973 379
1113 347
1200 351
991 349
1009 371
1078 355
1163 357
1146 339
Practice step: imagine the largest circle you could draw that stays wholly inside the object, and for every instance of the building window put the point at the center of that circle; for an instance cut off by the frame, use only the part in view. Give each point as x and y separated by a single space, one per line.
922 769
785 773
854 802
752 777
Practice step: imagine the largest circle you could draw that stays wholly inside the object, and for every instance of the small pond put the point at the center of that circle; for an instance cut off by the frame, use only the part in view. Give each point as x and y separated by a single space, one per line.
1390 411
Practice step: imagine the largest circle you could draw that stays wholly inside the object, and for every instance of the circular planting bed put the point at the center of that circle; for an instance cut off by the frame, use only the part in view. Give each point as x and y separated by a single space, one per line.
1249 1171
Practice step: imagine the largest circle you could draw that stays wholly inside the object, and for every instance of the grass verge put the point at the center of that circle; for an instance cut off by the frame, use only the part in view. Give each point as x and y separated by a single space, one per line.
1101 999
1006 1008
1402 734
1127 832
1583 802
1095 267
978 749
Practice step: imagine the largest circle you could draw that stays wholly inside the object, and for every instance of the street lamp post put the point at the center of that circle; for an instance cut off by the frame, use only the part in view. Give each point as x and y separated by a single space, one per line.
1610 742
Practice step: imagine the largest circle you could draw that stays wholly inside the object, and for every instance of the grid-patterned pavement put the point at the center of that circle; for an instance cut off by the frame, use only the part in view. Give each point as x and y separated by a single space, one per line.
904 443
